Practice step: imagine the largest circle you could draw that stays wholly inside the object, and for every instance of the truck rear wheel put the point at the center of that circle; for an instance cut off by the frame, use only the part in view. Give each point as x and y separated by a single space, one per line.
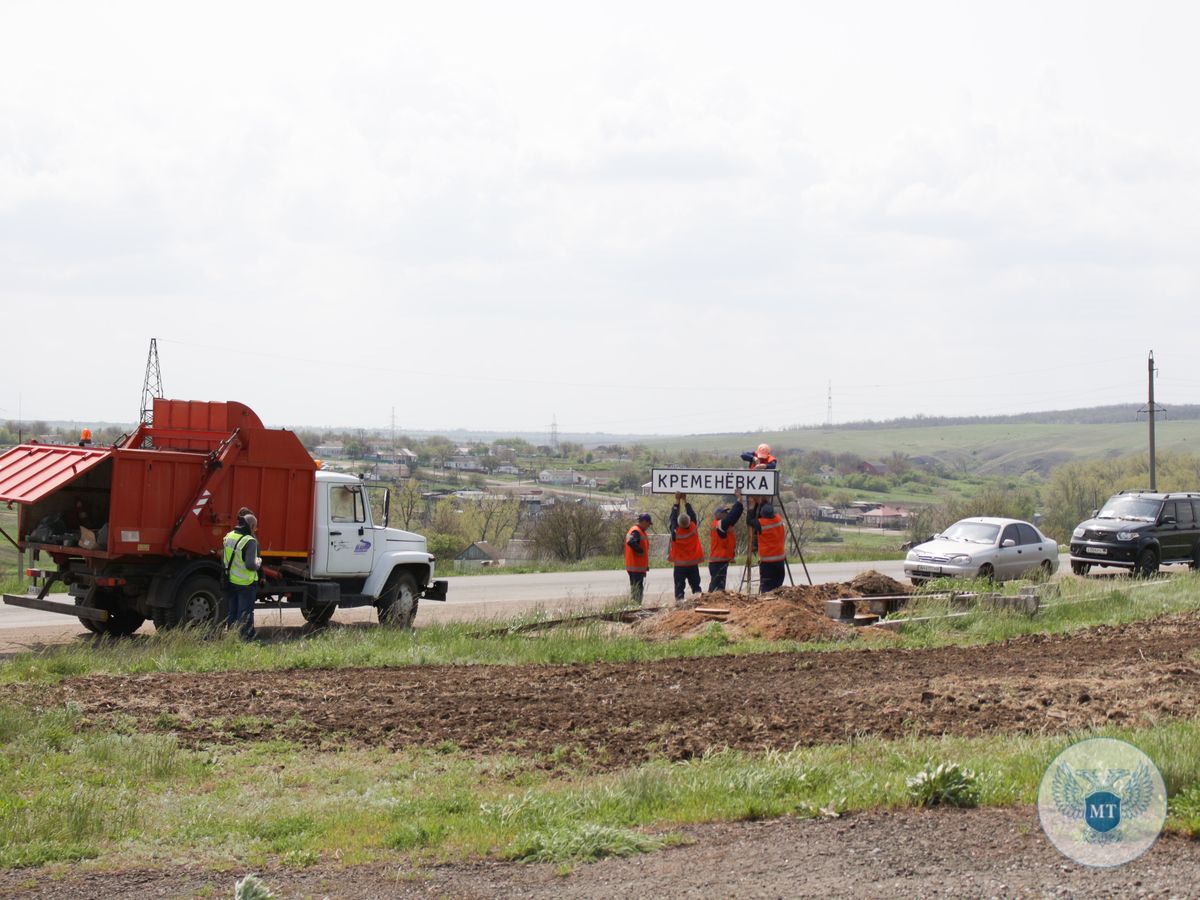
199 603
90 624
121 621
318 615
397 604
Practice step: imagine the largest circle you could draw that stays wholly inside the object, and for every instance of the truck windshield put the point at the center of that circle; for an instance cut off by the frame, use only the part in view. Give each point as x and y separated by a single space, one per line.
1141 509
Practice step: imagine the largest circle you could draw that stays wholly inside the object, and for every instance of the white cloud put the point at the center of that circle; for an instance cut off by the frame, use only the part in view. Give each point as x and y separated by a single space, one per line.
487 215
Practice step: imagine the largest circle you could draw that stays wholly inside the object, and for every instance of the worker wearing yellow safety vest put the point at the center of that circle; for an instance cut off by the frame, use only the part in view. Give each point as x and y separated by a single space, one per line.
772 545
685 550
242 563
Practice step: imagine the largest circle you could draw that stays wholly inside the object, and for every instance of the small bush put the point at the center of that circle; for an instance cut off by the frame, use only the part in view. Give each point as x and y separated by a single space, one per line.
947 784
1186 808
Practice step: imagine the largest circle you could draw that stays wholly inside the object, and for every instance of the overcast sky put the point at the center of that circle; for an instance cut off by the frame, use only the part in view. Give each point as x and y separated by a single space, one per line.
636 217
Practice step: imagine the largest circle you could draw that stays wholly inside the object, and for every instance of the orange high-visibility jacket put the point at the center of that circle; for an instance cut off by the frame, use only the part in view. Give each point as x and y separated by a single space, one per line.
685 546
772 539
635 561
763 464
721 549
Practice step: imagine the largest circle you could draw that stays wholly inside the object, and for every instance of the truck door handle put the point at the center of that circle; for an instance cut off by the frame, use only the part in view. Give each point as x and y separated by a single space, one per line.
332 533
360 531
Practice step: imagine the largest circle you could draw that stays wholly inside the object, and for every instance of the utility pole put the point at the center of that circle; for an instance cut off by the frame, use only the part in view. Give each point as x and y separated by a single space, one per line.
829 408
554 433
1150 406
1150 410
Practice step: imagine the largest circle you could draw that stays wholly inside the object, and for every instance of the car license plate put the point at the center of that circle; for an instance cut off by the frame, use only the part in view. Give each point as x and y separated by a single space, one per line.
1098 551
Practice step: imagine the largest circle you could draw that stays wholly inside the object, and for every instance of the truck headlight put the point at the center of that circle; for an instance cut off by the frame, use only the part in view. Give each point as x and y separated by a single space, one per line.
1126 535
1078 532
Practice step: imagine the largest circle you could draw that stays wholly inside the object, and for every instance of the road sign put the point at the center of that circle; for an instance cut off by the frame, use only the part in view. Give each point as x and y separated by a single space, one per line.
751 482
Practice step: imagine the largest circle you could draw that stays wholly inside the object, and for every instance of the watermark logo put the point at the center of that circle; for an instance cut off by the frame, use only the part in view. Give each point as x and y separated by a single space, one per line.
1102 802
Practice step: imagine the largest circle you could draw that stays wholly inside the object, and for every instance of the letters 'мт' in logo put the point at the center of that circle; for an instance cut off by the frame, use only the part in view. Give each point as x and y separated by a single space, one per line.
1102 802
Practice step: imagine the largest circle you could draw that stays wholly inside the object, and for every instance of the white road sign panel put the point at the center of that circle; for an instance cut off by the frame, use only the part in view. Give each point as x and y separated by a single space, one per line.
751 482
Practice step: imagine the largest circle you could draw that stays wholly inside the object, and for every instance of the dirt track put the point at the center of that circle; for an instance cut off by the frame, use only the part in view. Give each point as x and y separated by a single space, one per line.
901 853
623 714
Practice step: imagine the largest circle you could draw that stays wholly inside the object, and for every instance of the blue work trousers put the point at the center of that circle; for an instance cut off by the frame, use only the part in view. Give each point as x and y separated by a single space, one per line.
241 609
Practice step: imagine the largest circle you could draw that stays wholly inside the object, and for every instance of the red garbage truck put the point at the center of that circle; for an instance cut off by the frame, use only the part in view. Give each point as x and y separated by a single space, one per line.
135 530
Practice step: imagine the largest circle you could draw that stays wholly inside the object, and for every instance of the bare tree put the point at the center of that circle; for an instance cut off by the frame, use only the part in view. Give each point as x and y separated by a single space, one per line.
492 518
408 504
569 531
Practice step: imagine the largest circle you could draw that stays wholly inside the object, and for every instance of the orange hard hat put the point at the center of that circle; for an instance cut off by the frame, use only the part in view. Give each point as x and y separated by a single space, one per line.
86 434
764 451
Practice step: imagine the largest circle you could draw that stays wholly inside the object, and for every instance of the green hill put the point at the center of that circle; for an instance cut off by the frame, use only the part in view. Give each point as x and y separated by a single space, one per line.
985 449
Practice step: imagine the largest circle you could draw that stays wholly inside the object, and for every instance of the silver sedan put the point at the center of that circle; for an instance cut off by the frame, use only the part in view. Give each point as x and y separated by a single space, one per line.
983 547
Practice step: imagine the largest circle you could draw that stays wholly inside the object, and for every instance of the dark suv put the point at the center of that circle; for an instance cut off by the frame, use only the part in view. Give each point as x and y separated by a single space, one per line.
1139 530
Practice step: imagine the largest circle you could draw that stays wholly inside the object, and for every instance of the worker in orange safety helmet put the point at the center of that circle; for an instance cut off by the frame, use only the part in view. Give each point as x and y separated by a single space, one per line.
760 458
637 556
722 543
686 552
772 545
85 438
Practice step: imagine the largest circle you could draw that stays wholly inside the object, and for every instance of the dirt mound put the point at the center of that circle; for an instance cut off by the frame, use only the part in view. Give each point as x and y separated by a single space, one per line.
789 614
875 584
795 613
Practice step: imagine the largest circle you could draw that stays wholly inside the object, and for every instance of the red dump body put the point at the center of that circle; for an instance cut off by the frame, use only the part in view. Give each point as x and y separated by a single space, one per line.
172 488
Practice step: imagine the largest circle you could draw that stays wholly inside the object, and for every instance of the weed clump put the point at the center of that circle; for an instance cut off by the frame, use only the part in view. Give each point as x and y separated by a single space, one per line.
946 784
582 843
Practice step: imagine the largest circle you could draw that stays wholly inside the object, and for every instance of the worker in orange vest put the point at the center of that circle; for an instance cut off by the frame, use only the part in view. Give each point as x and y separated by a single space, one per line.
637 556
722 543
758 459
686 552
772 545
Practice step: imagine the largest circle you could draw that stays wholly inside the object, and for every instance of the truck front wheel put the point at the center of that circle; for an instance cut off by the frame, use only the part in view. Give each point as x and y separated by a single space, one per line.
397 604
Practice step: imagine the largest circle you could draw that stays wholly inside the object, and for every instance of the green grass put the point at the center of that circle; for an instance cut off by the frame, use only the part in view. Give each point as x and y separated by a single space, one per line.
1080 603
456 643
70 793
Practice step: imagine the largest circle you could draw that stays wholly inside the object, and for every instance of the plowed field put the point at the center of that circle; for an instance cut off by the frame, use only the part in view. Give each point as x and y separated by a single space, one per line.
621 714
